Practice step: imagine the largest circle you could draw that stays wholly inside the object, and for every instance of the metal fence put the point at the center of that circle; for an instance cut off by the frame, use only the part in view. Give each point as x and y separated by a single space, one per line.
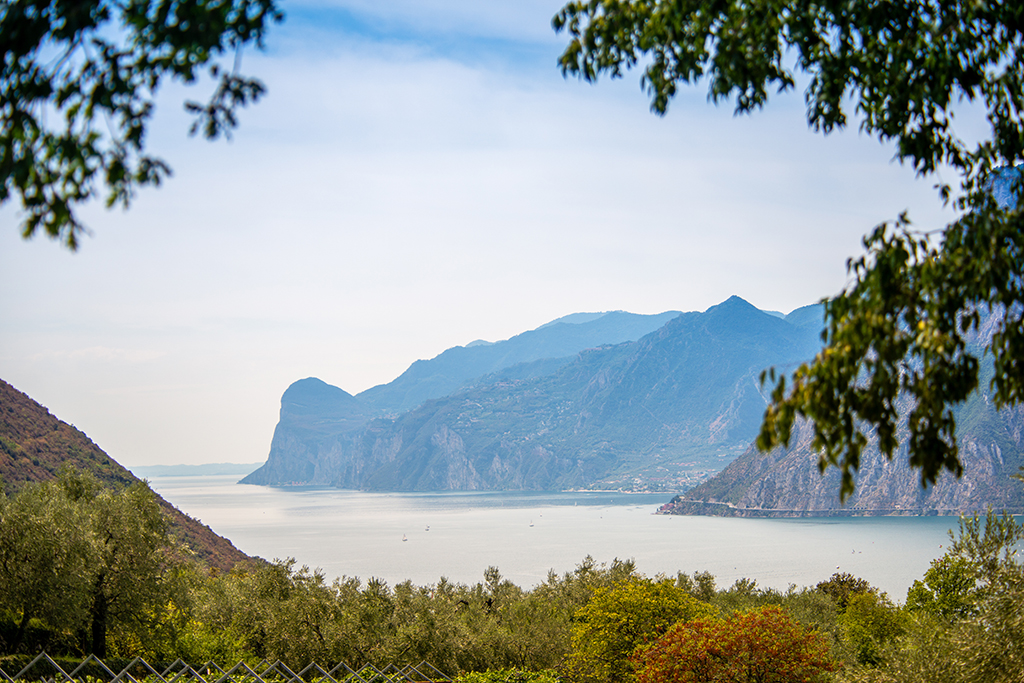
94 670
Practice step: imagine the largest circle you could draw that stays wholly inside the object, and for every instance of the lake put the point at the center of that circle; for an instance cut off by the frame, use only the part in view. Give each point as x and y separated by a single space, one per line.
423 536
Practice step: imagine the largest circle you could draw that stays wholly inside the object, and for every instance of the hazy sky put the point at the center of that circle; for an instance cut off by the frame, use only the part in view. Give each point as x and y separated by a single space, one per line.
420 175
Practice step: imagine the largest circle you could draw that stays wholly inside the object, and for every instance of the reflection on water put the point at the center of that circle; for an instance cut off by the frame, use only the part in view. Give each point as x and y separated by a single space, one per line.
526 534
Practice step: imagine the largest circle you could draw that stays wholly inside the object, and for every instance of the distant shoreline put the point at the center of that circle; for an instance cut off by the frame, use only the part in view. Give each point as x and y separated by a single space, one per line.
704 508
144 471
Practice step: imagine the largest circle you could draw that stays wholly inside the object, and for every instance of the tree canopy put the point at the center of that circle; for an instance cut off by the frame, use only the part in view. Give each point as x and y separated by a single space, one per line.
77 85
762 645
81 556
904 327
619 619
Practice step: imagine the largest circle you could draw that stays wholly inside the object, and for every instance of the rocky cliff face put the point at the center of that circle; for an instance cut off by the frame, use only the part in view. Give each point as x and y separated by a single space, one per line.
314 435
788 483
653 414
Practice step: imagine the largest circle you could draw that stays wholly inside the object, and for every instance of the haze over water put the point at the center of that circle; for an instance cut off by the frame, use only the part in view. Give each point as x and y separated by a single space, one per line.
526 534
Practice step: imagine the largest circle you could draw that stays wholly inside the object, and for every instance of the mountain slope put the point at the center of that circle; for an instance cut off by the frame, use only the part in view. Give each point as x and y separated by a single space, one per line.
787 483
34 445
648 414
656 413
452 369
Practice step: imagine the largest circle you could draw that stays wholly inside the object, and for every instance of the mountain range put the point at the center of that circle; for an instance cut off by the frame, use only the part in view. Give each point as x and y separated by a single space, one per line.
571 405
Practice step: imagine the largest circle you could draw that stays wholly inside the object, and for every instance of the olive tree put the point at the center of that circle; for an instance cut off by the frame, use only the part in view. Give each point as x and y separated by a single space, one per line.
47 557
130 534
81 557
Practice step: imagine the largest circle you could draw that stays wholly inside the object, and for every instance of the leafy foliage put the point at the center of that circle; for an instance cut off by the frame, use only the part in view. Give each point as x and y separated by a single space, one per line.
902 328
871 622
949 589
842 586
763 645
619 619
70 64
46 556
984 640
77 555
701 585
511 676
977 566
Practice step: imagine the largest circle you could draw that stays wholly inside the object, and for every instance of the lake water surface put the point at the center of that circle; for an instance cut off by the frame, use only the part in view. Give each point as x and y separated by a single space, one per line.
423 536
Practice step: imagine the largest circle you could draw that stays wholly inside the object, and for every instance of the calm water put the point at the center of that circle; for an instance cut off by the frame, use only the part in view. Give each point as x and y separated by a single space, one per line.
526 534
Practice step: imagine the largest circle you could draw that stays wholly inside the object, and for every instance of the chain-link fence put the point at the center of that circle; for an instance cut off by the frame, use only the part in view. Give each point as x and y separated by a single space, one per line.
94 670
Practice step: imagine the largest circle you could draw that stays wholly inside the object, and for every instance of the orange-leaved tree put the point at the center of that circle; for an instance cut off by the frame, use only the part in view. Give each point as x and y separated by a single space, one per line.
763 645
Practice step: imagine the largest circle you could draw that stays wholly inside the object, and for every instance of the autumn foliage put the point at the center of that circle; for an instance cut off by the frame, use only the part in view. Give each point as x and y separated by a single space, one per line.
762 645
620 618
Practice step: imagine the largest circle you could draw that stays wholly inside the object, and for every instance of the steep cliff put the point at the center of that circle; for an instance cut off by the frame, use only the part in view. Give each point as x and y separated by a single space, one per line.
311 439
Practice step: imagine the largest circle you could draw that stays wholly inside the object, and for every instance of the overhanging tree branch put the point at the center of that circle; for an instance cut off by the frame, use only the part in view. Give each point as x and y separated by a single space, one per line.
53 169
900 332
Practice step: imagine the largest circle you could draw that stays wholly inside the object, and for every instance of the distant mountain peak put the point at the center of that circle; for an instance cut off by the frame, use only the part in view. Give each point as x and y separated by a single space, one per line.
737 311
313 387
315 395
734 303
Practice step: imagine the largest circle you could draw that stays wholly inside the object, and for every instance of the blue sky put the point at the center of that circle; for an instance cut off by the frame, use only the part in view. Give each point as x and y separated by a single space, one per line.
419 175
